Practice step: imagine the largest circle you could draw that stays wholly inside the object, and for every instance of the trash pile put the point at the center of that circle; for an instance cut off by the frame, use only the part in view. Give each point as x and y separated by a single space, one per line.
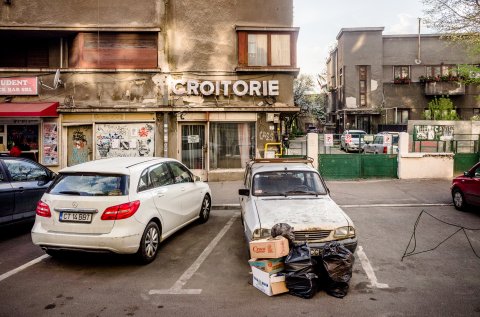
279 266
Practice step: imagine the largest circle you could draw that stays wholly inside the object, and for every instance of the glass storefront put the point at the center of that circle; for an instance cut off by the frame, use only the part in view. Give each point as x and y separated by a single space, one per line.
232 145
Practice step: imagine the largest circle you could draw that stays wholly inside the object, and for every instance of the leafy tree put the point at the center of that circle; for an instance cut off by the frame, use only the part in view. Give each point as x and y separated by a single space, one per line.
459 20
440 109
305 98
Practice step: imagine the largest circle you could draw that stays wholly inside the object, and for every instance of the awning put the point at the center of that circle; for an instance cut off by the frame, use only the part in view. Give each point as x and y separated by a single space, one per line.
33 109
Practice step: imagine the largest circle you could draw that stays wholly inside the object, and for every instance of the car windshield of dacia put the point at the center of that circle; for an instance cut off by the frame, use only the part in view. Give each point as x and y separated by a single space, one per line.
286 183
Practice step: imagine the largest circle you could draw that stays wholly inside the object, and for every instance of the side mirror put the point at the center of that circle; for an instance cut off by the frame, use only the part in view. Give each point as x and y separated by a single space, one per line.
244 192
466 174
197 178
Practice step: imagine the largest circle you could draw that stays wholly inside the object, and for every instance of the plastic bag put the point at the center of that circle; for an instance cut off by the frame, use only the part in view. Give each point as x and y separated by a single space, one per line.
299 259
338 264
284 230
301 284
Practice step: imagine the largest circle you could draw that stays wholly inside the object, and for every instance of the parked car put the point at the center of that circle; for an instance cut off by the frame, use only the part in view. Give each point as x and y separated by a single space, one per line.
22 184
466 188
378 145
124 205
312 129
356 140
292 191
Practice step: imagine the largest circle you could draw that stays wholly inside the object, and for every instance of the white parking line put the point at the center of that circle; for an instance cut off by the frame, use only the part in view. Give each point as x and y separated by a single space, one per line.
395 205
177 287
23 267
367 267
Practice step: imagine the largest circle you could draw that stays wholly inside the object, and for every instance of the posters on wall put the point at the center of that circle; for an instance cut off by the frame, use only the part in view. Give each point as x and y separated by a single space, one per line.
50 143
433 132
124 139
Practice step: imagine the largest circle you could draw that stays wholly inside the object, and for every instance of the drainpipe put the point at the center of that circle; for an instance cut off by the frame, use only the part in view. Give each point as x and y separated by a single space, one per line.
165 121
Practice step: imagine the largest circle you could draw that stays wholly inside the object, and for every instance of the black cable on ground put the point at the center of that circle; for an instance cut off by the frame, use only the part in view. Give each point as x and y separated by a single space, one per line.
414 237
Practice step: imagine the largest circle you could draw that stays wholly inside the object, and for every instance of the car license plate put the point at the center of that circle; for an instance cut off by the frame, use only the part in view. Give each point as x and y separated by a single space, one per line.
315 252
75 217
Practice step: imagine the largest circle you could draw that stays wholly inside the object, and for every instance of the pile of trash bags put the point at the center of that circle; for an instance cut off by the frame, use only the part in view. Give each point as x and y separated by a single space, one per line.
305 275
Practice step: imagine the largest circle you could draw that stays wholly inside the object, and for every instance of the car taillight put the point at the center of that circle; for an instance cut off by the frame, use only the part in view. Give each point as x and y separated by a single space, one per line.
122 211
384 150
43 210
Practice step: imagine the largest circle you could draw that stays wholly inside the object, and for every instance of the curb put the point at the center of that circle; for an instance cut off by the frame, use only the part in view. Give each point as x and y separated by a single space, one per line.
226 206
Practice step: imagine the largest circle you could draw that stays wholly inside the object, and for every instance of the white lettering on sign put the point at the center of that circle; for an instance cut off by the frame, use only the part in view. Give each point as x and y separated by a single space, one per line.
182 87
26 86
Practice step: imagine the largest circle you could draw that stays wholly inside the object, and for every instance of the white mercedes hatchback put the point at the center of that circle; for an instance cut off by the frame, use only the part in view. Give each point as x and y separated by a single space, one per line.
124 205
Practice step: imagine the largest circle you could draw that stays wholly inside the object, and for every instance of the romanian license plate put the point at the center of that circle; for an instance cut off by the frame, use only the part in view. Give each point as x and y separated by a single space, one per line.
315 252
75 217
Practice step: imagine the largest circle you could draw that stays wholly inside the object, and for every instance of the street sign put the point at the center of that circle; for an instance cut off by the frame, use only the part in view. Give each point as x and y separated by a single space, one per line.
328 139
348 138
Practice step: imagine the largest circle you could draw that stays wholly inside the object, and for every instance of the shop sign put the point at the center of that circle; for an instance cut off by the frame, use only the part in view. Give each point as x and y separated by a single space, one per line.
433 132
19 86
193 139
225 87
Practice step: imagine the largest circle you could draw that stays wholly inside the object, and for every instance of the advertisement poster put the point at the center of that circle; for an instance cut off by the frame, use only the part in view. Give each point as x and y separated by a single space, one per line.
124 139
50 143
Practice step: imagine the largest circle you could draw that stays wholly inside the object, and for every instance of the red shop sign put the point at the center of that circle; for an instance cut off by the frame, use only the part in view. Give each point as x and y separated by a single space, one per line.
19 86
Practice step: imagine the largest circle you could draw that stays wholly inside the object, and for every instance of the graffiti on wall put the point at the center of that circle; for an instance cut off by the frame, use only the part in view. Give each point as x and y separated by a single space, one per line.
125 140
433 132
50 143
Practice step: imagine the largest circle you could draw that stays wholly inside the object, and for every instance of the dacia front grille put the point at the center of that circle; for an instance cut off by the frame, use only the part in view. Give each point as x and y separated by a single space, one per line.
310 236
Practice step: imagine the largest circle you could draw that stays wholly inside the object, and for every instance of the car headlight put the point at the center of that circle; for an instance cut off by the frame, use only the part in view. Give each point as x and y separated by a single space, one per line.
261 233
344 232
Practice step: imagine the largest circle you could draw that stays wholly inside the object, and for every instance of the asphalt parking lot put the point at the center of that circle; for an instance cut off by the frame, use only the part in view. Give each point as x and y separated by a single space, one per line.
203 270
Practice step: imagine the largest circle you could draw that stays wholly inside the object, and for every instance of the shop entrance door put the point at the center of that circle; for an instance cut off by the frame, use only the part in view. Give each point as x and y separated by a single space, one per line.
79 144
194 148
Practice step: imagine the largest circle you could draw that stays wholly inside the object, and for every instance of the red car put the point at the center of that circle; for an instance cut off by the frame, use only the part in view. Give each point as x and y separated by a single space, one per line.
466 188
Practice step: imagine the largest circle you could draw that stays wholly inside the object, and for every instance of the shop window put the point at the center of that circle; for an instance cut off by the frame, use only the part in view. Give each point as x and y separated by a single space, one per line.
114 50
263 48
232 145
23 136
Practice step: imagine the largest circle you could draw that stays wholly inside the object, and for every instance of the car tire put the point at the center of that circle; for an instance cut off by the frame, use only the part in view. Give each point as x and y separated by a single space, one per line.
205 209
149 243
458 199
54 253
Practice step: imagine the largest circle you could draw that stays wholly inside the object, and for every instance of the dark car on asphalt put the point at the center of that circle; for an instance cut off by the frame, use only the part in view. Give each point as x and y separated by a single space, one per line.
22 184
466 188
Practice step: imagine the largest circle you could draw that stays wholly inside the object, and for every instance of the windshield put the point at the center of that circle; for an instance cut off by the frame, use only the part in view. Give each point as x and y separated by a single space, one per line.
284 183
90 185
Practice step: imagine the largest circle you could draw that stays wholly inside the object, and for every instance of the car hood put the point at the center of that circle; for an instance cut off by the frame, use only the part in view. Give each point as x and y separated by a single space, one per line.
301 213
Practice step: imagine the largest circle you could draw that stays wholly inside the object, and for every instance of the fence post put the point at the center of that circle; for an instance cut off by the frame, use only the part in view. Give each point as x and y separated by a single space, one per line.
312 148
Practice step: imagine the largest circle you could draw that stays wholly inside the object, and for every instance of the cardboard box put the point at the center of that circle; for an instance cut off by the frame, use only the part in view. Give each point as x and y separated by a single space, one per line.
269 248
270 284
268 265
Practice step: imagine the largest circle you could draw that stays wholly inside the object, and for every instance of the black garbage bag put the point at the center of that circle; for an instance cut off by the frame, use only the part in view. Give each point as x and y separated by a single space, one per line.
302 284
284 230
299 259
337 264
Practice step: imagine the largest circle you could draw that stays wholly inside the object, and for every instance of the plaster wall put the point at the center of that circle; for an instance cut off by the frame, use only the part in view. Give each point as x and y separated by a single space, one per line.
433 165
82 13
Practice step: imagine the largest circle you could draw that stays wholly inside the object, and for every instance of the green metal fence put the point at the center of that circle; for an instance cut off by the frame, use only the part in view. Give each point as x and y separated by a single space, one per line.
357 166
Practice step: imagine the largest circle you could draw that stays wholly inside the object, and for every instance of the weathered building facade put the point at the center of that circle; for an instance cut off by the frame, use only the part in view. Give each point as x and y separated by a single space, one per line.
377 80
205 82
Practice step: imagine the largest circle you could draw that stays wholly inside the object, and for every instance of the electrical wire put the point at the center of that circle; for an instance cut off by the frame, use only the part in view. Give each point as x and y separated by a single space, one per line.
414 236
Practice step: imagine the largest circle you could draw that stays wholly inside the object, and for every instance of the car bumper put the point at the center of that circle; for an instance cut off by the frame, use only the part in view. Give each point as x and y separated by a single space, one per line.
116 241
316 249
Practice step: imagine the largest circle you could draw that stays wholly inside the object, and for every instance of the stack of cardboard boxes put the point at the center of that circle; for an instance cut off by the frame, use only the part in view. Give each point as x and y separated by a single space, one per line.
267 263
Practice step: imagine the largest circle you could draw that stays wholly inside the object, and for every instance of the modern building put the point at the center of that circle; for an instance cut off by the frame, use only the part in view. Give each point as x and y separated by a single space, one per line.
378 82
208 83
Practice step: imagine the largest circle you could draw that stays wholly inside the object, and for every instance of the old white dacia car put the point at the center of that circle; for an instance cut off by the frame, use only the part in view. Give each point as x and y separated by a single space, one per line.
291 191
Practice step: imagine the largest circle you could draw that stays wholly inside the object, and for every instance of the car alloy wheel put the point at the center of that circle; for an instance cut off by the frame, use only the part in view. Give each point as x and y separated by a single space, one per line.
205 209
149 243
458 200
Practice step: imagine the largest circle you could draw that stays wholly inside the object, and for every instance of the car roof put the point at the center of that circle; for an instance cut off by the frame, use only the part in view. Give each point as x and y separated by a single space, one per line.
271 165
115 165
357 131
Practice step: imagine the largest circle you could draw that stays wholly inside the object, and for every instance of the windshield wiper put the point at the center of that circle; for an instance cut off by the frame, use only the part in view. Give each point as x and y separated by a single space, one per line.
306 192
70 192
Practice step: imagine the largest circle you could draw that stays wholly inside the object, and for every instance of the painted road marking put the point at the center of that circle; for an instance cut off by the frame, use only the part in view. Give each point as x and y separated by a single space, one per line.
177 287
23 267
367 267
395 205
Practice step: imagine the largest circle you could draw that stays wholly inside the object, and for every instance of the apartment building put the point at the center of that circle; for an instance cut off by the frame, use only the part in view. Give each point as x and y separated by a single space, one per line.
378 82
208 83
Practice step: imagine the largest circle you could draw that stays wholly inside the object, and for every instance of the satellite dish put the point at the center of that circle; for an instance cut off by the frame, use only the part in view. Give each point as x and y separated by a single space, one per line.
56 81
417 61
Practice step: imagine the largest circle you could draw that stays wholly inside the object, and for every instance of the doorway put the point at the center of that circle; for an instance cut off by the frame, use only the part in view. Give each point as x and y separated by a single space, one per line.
193 148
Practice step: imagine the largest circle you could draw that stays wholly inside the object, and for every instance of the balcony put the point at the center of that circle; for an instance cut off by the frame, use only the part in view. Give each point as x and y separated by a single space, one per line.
445 85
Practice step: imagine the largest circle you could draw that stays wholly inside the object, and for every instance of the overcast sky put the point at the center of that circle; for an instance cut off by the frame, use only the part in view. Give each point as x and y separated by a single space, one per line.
320 22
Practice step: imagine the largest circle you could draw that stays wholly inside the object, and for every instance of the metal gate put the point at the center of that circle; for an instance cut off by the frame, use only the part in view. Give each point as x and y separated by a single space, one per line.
356 166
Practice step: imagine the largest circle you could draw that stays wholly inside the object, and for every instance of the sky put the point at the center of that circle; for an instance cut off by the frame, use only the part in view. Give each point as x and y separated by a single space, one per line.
320 22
